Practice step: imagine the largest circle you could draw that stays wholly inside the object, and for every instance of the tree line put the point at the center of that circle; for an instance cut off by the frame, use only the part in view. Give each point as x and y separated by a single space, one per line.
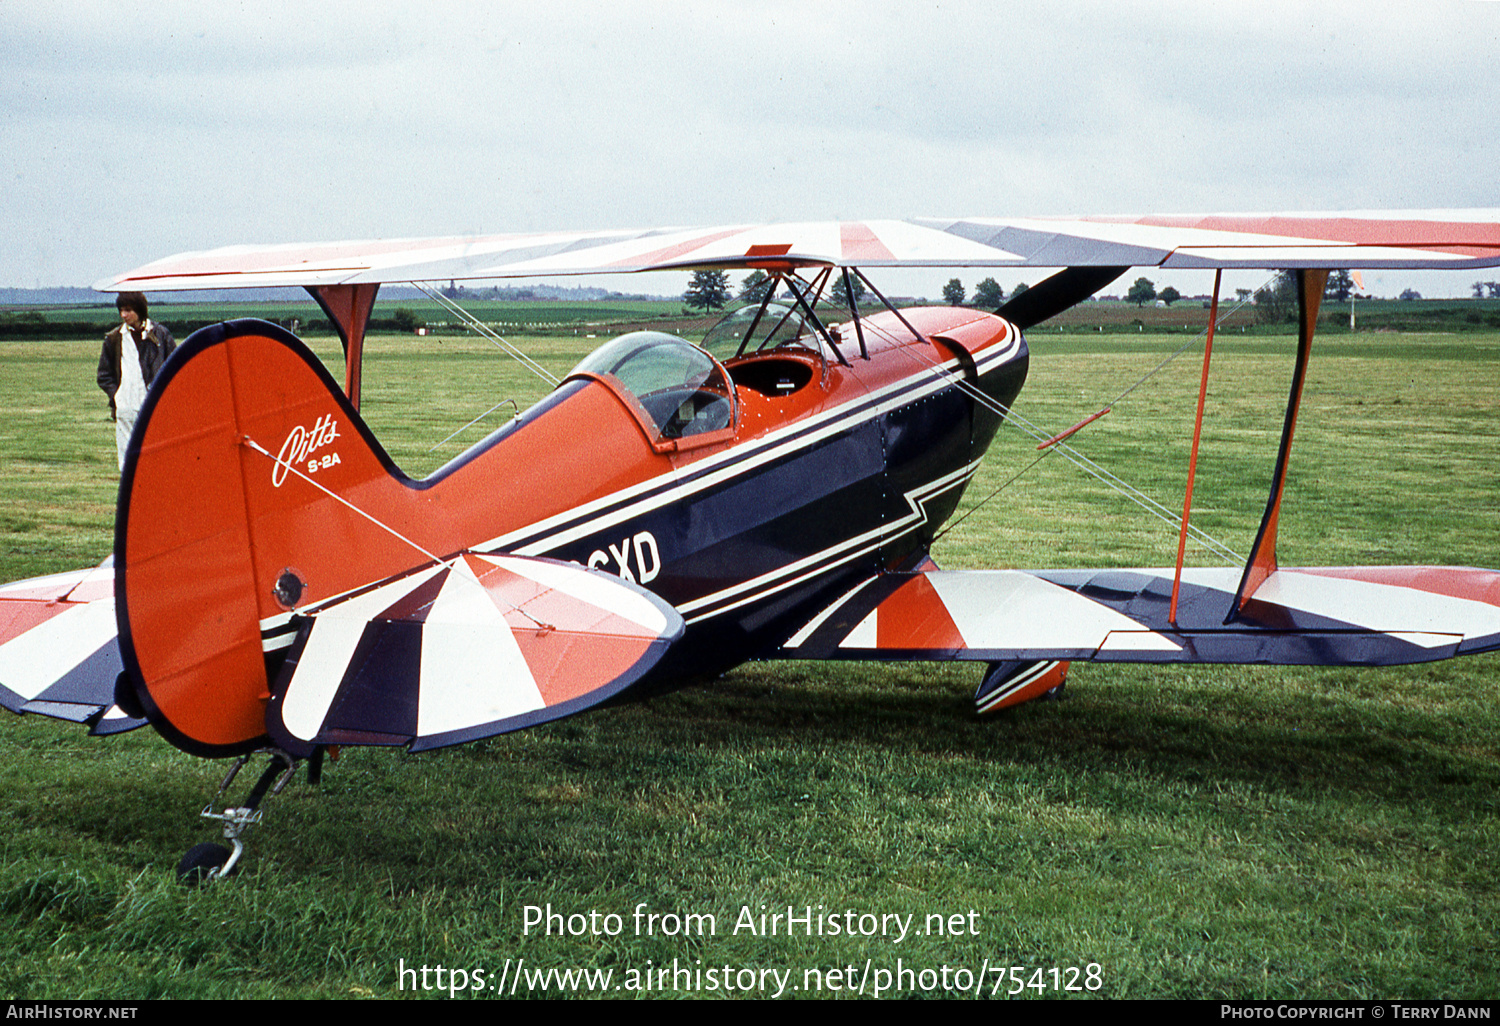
710 290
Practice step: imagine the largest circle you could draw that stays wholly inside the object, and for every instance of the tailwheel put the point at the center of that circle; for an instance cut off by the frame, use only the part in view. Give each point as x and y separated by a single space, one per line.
205 863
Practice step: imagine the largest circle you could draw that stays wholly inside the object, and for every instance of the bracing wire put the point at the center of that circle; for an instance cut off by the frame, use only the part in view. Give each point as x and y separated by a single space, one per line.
450 564
477 419
1088 465
1125 488
1189 344
1006 484
1010 417
479 327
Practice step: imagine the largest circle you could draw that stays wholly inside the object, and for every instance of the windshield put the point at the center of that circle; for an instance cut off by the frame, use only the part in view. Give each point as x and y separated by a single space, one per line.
751 329
683 390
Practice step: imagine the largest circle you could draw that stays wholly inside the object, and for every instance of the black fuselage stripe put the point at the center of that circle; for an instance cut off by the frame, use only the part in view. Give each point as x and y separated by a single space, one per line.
849 417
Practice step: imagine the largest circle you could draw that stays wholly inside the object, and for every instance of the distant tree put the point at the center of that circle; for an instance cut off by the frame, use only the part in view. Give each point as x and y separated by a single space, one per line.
1242 294
840 296
1479 290
1169 295
953 292
405 319
1411 294
988 293
1277 301
709 290
1020 288
1340 284
1494 287
1141 293
756 287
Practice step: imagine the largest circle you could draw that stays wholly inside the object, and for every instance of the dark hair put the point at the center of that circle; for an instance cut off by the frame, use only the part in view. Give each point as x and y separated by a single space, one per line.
132 301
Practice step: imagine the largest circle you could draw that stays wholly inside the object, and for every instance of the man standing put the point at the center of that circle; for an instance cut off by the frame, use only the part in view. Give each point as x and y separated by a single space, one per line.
133 354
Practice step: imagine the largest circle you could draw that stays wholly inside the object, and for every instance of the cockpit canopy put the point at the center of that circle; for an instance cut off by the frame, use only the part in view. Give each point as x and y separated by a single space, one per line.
683 391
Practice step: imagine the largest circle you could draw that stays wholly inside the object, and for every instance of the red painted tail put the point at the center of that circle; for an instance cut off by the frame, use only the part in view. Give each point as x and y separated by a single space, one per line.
224 526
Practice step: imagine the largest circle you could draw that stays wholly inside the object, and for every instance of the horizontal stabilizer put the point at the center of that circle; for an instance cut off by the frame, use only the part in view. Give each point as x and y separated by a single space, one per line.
59 655
461 650
1320 616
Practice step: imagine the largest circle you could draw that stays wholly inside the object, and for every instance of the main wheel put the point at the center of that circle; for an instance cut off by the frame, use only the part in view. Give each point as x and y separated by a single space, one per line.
199 862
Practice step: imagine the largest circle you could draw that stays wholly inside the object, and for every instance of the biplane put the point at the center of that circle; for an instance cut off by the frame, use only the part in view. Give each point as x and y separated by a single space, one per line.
669 509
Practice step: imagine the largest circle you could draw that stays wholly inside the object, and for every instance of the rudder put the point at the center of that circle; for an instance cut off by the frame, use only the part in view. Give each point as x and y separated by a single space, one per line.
223 530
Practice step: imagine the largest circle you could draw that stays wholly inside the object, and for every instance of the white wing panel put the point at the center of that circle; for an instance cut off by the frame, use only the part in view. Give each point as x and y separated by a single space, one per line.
1010 609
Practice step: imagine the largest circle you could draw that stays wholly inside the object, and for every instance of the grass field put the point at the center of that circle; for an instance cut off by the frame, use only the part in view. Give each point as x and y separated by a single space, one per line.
1200 833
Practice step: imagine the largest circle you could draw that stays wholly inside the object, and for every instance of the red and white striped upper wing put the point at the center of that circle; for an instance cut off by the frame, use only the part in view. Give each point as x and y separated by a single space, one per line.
1453 239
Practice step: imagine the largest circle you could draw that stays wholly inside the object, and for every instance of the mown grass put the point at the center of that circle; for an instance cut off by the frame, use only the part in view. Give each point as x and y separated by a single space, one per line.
1201 832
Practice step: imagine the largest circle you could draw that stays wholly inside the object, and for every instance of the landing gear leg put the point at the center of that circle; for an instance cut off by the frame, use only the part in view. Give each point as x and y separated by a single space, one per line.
205 863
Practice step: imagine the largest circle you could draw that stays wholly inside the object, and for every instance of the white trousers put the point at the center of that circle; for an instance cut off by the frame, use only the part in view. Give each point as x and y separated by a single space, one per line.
124 425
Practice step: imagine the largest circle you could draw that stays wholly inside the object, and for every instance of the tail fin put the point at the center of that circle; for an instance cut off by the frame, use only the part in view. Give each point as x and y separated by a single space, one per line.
228 521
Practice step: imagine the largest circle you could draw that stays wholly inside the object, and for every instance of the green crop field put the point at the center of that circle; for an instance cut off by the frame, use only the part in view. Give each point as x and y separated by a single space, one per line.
616 315
1207 832
610 316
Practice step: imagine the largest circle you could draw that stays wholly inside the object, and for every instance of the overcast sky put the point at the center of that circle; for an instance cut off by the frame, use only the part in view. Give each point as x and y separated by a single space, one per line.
131 131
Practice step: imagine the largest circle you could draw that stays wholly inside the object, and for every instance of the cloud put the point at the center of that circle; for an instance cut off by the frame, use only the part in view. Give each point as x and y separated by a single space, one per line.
135 131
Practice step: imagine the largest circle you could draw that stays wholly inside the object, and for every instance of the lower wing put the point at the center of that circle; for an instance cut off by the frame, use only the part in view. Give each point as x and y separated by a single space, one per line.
59 653
1316 616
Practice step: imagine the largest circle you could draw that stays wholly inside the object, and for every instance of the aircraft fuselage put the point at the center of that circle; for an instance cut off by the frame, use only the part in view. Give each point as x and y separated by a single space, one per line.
809 491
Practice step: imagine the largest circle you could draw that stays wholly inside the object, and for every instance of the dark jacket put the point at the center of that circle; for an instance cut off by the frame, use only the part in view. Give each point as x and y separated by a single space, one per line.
153 352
